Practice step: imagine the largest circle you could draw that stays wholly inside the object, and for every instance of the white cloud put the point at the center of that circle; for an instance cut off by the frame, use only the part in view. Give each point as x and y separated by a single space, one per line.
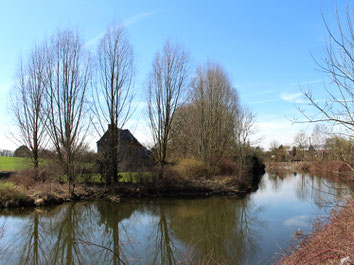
127 22
272 127
263 101
297 221
292 97
260 93
138 17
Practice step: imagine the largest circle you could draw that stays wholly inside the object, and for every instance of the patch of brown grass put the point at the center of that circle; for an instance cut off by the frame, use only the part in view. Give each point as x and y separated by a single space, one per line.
329 243
190 167
336 168
26 178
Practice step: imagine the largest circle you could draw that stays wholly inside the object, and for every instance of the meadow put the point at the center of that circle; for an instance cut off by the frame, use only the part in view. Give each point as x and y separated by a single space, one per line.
14 163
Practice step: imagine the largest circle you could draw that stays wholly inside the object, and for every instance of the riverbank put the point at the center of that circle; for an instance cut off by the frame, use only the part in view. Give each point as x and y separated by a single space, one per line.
50 193
334 170
331 242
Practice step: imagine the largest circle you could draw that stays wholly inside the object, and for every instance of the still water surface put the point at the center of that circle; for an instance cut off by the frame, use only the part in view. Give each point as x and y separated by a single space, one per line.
227 230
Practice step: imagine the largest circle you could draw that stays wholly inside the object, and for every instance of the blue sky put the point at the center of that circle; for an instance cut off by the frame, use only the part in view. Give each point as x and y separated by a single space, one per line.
265 46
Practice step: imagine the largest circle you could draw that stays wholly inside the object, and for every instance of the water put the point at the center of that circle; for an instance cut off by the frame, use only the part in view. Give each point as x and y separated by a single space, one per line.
227 230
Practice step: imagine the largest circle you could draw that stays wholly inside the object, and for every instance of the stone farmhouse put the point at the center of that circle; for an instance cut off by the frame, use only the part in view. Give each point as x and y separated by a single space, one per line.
132 155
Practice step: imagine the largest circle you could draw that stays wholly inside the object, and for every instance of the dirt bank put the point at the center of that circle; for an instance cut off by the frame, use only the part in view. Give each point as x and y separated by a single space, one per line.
42 194
331 243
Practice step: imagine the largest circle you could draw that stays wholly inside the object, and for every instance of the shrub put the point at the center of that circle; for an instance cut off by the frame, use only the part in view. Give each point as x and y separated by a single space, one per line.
190 167
225 166
30 177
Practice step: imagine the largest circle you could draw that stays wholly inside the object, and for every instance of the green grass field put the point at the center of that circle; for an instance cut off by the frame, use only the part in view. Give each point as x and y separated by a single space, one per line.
20 163
13 163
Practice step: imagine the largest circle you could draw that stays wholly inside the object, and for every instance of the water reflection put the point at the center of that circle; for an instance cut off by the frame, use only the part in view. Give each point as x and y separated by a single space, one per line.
223 230
322 192
34 237
111 217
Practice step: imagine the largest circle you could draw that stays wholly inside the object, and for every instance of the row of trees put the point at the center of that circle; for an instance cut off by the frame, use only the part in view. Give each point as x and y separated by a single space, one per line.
317 146
63 89
51 100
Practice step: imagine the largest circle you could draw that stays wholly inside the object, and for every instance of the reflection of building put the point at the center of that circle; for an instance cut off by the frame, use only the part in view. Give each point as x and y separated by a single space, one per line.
132 155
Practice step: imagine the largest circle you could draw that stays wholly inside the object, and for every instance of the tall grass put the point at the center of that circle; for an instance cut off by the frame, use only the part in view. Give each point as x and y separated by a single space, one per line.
9 191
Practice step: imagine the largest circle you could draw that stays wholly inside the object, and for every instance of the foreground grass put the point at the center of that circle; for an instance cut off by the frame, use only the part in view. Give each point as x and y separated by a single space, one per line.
329 243
14 163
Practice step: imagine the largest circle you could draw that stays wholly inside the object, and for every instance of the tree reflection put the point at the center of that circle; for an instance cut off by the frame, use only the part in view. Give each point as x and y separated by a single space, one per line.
111 216
222 228
33 238
276 180
65 224
165 251
322 192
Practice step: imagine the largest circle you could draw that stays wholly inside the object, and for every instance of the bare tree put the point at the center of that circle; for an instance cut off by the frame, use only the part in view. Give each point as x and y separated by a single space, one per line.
301 140
28 104
274 145
67 80
215 106
338 65
166 83
113 96
244 128
318 140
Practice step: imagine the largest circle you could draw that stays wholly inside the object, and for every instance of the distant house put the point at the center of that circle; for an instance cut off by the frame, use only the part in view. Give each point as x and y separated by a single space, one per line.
132 155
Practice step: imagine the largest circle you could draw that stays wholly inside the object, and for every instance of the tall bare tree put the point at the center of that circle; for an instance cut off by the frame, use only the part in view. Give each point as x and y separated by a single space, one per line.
338 65
113 96
167 82
68 73
28 103
301 141
215 106
244 128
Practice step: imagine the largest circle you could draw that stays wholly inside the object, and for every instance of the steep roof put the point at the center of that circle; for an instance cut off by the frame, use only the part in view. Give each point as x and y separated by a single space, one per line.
124 135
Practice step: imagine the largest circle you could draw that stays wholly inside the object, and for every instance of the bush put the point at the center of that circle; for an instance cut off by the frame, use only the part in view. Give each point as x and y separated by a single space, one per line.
190 167
225 166
30 177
